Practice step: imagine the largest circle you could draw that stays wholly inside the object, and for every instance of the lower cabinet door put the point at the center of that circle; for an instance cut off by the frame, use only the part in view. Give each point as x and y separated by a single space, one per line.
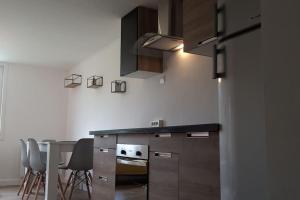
103 188
104 174
200 168
163 176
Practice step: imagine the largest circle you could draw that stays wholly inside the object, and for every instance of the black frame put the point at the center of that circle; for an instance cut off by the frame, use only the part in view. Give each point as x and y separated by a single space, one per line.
120 83
72 78
94 80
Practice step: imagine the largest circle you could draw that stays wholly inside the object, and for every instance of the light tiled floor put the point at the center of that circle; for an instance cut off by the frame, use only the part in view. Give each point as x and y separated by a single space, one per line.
10 193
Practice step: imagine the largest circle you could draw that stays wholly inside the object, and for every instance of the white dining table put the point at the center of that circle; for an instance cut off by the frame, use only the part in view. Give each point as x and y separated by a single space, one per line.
53 150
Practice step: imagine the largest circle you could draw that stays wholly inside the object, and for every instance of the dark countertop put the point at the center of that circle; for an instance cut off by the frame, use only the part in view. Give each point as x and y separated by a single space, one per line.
167 129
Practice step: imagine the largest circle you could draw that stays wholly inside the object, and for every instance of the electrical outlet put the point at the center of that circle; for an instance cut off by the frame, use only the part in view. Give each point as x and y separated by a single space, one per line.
157 123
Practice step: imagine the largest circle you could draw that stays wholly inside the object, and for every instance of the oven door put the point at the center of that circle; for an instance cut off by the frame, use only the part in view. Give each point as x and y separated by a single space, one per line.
131 179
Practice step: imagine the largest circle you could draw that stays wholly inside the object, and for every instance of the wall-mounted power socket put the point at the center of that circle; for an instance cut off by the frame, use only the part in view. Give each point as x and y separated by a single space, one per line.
157 123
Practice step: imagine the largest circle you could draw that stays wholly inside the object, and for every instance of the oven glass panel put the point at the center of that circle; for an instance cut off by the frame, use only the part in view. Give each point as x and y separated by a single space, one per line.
131 176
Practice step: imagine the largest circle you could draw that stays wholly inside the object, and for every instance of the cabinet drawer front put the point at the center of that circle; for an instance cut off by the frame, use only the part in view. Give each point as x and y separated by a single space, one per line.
200 167
138 139
166 142
105 141
163 176
104 162
103 188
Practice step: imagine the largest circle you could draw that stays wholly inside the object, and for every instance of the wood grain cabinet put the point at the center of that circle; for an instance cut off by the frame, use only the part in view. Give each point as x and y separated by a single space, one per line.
166 142
199 26
137 61
200 167
163 176
104 174
182 166
105 141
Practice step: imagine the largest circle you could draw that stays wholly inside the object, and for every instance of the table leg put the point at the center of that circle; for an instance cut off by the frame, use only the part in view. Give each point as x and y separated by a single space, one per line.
52 171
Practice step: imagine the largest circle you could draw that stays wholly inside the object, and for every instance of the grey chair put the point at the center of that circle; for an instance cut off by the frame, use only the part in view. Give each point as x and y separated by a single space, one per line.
25 163
80 163
38 165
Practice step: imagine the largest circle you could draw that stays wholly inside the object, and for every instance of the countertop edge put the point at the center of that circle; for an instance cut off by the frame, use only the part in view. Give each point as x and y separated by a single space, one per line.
213 127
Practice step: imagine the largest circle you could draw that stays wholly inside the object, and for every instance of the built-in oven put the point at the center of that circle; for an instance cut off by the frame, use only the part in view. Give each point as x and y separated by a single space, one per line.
132 172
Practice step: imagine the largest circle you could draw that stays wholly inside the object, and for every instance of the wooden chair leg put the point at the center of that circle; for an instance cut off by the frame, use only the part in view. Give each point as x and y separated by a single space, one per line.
32 185
68 183
27 184
29 181
73 184
38 186
23 182
87 184
60 187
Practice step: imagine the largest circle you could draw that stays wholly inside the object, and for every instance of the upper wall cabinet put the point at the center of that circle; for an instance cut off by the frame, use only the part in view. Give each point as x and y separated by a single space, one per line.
136 61
199 26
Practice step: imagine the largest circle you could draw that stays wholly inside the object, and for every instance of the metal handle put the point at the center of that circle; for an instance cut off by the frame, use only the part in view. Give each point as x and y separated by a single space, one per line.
163 155
198 135
217 52
164 135
104 136
103 178
103 150
220 12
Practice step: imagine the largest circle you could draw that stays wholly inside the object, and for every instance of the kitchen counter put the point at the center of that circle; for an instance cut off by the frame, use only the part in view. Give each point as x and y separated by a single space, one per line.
167 129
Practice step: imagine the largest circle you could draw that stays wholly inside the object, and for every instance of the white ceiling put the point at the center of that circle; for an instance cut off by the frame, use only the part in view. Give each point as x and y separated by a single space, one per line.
59 33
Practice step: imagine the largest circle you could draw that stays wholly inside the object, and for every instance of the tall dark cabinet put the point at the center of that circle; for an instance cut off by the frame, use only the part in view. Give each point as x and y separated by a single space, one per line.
137 61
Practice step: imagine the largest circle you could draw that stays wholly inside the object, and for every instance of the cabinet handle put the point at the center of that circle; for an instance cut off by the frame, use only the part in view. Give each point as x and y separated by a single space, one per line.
220 12
104 150
197 135
103 178
163 155
217 52
104 136
163 135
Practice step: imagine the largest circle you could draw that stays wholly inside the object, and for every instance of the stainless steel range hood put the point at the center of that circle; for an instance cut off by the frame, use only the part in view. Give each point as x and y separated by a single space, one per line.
169 36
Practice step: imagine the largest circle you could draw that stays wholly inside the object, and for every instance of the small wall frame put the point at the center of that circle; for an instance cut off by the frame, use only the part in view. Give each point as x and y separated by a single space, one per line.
118 86
94 82
73 81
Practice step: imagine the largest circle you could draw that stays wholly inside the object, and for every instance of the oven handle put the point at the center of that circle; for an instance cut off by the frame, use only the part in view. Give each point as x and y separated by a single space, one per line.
141 163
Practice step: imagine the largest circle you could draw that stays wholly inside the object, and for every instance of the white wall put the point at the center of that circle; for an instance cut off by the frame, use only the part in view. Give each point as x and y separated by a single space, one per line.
189 95
281 43
35 107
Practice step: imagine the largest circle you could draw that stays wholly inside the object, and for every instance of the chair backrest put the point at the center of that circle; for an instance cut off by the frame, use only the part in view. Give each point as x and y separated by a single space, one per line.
24 156
35 156
82 155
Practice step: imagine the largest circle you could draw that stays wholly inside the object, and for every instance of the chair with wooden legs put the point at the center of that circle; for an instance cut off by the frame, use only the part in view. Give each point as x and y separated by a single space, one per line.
39 168
80 164
28 174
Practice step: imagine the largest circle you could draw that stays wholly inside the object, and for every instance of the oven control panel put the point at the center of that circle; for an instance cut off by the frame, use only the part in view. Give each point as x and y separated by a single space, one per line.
133 151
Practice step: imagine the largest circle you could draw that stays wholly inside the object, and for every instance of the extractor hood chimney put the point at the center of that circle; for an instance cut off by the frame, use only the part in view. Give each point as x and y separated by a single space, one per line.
169 36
